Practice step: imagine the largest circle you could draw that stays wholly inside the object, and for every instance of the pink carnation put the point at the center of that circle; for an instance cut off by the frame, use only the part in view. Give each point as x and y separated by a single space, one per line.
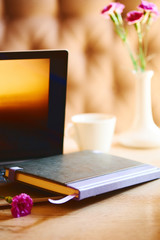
149 7
119 7
134 17
21 205
111 8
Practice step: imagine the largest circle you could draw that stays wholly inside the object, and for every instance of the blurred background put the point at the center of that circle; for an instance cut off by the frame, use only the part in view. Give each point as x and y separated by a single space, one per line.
99 71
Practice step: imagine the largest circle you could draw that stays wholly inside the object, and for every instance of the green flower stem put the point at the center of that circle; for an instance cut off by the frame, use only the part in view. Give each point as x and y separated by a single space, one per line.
114 19
141 52
141 55
146 30
134 62
8 199
122 34
119 18
149 21
146 42
146 17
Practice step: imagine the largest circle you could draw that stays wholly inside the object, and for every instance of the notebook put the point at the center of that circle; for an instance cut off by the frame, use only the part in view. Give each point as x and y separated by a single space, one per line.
81 174
32 104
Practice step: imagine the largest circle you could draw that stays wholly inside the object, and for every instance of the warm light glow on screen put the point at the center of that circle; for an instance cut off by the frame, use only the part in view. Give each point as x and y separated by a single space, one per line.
24 83
24 97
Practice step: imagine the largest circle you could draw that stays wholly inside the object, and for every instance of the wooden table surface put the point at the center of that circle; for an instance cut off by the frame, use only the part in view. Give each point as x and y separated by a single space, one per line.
128 214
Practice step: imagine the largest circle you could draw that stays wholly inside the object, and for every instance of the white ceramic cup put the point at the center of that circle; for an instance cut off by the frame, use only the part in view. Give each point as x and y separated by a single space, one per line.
92 131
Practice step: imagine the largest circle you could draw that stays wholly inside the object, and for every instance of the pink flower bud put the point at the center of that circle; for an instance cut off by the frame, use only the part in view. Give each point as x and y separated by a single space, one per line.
149 7
113 8
134 17
21 205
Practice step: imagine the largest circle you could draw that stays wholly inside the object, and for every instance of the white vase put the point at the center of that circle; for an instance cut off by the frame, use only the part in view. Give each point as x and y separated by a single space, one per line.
144 133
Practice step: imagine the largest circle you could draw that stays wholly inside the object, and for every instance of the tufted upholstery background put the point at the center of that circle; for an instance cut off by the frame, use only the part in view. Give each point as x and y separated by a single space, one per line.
99 70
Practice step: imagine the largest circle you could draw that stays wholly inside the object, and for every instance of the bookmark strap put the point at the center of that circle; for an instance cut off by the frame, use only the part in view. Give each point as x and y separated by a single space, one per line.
62 200
12 173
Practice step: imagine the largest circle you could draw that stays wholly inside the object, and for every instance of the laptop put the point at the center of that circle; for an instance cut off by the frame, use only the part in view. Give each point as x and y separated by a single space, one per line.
32 104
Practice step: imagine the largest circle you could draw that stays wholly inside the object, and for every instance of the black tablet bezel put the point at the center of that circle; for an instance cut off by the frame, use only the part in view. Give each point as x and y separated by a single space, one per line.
57 88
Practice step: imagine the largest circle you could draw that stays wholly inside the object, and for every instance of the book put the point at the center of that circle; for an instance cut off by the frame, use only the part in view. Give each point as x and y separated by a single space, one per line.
82 174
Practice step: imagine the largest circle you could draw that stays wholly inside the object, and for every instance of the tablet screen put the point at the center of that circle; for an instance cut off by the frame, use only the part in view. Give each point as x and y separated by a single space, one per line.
26 129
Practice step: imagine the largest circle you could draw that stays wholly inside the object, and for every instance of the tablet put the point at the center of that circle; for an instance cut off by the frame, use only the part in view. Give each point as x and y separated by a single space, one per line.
32 103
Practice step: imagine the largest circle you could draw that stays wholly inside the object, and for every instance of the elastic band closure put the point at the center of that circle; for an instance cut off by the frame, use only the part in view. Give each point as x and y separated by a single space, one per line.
12 173
62 200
